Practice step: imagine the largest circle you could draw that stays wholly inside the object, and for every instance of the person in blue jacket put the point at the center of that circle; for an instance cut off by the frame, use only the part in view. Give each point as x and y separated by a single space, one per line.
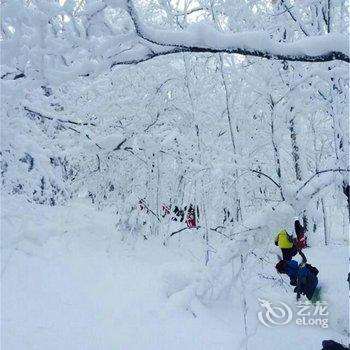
305 276
332 345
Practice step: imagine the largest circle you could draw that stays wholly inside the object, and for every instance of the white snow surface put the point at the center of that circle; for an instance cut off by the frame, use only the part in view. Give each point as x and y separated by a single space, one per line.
70 282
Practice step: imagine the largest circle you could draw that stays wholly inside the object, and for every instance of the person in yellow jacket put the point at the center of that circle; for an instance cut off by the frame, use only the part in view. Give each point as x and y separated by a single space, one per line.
287 244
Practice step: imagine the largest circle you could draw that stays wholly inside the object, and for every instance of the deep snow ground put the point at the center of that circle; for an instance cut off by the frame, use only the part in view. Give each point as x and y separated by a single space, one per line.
68 282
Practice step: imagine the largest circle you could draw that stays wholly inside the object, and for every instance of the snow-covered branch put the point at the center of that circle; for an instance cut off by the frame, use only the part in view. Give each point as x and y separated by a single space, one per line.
317 174
204 38
87 43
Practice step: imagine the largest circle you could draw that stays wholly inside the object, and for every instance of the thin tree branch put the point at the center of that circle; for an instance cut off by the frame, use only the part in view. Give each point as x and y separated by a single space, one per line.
150 210
182 229
267 176
153 123
63 125
119 146
98 164
56 119
317 174
288 9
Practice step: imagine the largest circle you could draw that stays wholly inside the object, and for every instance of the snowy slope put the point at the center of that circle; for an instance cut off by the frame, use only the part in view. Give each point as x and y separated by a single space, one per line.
79 287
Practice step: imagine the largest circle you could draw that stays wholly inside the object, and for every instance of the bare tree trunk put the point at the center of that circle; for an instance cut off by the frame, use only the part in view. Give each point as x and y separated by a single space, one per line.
245 306
324 222
230 118
295 148
238 208
157 196
328 21
275 148
200 159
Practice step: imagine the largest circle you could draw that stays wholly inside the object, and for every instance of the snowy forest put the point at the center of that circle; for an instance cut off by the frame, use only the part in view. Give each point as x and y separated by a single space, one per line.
175 174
